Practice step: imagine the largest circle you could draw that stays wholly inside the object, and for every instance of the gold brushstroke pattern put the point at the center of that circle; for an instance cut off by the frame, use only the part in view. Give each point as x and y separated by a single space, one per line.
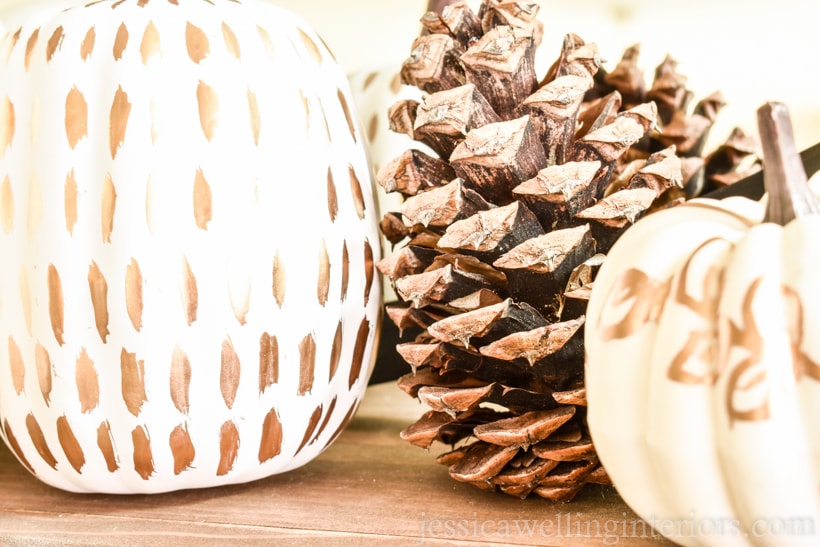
70 445
13 43
133 382
343 424
241 303
120 112
279 280
313 423
35 432
230 373
105 442
208 109
15 447
271 444
6 206
358 352
30 45
150 44
323 284
266 41
648 296
180 381
310 46
87 46
44 372
335 353
351 123
143 457
35 205
357 193
268 361
108 208
203 201
88 382
231 43
197 43
133 294
189 293
98 287
71 197
25 299
369 271
182 448
255 116
120 41
56 312
345 271
307 364
332 196
7 127
16 366
54 43
228 448
328 416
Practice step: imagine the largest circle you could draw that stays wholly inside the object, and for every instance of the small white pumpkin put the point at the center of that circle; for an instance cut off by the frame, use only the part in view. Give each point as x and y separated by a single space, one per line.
188 235
703 362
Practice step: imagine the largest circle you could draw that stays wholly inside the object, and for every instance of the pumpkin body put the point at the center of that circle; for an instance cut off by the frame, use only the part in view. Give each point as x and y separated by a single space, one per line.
702 374
188 236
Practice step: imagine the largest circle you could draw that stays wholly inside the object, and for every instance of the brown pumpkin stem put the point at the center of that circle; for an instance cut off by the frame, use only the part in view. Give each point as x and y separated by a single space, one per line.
784 176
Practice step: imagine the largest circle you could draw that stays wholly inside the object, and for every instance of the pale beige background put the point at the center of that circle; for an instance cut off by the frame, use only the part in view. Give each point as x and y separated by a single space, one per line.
753 51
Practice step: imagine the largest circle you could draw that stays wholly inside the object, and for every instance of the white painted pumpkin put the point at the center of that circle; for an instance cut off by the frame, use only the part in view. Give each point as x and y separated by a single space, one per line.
188 237
703 370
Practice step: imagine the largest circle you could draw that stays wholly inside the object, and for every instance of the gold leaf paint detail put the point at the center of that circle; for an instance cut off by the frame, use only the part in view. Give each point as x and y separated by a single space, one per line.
228 448
44 372
25 298
133 382
105 442
279 280
8 126
356 193
197 43
35 205
189 293
335 353
255 117
313 422
120 112
271 444
358 352
351 124
54 43
15 447
231 43
120 41
266 41
15 38
345 271
143 457
182 448
71 197
268 361
98 288
369 271
180 380
35 432
87 46
133 294
208 109
332 196
310 46
88 382
56 312
323 285
328 416
108 208
648 296
230 373
203 201
16 366
30 45
70 445
150 44
6 206
76 117
307 364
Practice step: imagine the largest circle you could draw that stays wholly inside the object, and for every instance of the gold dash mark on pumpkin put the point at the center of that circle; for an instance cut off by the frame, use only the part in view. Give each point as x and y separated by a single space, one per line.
197 43
108 208
98 287
307 363
12 42
30 45
56 310
54 43
70 198
279 280
313 423
45 374
7 126
332 196
76 117
228 448
255 117
6 206
268 361
208 109
120 112
143 457
311 46
328 415
132 372
369 271
189 293
343 424
120 42
180 380
231 43
70 445
35 205
35 432
105 442
150 44
351 124
229 374
25 299
335 353
345 271
14 444
323 285
271 444
182 448
359 352
266 41
357 193
88 382
203 201
17 366
133 294
87 46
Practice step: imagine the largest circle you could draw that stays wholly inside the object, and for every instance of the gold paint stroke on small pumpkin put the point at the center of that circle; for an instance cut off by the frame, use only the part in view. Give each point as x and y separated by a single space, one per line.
230 373
266 41
351 124
133 294
189 293
70 445
76 117
279 280
203 201
38 439
358 352
12 43
345 271
15 446
17 366
271 444
231 43
54 43
25 299
56 311
143 457
180 380
7 128
332 196
307 364
196 41
150 44
647 295
108 207
182 448
323 284
328 416
241 301
228 448
71 195
35 205
98 287
268 361
6 206
803 364
255 116
369 271
45 373
120 113
208 102
120 42
105 442
343 424
88 382
87 46
335 353
30 45
313 423
133 382
357 193
310 46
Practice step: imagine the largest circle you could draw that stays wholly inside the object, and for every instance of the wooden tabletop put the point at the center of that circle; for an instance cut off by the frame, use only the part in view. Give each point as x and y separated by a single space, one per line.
368 488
